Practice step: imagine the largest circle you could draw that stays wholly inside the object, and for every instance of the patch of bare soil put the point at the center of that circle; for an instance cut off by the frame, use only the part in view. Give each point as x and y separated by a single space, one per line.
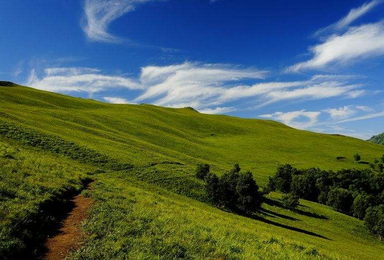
70 234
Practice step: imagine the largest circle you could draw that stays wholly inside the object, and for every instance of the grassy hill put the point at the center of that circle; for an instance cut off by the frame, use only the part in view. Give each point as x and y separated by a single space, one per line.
378 139
143 158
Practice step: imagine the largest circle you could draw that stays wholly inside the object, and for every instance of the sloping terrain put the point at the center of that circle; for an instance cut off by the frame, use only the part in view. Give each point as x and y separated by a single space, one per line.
147 203
378 139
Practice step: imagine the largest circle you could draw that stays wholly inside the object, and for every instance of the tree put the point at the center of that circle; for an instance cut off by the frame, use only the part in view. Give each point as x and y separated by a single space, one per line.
249 198
360 205
202 171
374 220
236 168
357 157
283 177
304 185
382 159
290 200
340 199
380 167
212 188
228 193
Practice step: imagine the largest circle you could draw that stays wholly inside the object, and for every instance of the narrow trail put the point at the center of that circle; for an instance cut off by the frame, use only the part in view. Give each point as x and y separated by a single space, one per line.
70 234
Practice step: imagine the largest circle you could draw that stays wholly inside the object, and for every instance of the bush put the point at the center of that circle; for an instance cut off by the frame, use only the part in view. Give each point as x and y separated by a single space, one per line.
357 157
291 201
202 171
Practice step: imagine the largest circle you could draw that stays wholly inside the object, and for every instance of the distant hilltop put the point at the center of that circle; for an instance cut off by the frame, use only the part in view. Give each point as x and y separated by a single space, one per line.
379 139
6 84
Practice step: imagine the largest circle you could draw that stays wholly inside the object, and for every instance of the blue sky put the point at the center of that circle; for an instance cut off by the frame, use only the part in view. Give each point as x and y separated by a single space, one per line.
315 64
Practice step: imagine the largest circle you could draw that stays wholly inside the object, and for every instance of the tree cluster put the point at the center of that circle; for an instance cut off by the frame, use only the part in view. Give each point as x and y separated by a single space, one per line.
234 190
359 193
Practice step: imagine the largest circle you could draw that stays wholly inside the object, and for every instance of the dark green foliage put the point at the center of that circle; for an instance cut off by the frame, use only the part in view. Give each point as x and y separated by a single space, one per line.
282 180
228 193
202 171
357 157
6 84
57 145
305 185
374 220
249 198
360 205
290 200
349 191
213 188
234 190
340 199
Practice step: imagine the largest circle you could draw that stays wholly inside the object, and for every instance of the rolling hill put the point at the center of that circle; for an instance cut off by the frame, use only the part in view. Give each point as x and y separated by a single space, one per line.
148 205
378 139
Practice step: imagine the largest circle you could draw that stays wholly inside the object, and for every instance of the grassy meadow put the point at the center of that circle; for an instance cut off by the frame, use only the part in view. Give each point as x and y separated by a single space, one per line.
148 204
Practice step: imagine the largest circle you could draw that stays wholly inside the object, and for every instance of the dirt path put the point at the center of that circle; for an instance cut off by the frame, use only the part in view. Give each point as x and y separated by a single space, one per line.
70 235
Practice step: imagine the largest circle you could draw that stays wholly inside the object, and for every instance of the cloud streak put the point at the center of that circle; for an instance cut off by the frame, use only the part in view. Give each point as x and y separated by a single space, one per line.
352 16
99 14
356 44
67 80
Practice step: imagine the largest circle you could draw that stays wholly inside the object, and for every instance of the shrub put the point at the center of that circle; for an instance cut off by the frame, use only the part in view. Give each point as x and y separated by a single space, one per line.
291 201
202 171
357 157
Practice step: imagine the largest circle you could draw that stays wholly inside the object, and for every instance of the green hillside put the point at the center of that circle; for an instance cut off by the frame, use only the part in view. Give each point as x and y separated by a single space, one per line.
148 204
378 139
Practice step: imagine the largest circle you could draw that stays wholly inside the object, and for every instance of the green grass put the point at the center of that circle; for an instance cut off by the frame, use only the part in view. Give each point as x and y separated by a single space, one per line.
156 210
30 181
136 220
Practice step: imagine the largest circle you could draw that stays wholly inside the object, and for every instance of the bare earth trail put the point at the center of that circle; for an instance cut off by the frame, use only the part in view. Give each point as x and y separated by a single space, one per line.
70 234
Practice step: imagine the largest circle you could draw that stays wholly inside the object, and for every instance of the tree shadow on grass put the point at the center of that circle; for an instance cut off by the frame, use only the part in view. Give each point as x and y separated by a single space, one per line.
267 221
272 214
298 211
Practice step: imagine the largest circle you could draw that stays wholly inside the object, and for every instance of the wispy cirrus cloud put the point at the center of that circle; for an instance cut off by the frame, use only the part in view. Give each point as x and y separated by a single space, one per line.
204 86
356 44
209 88
88 80
99 14
352 16
299 119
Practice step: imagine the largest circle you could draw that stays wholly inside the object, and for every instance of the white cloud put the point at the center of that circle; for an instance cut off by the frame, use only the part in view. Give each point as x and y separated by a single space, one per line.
116 100
205 86
356 44
295 118
99 14
217 110
352 16
66 80
364 117
365 108
209 88
192 83
340 113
